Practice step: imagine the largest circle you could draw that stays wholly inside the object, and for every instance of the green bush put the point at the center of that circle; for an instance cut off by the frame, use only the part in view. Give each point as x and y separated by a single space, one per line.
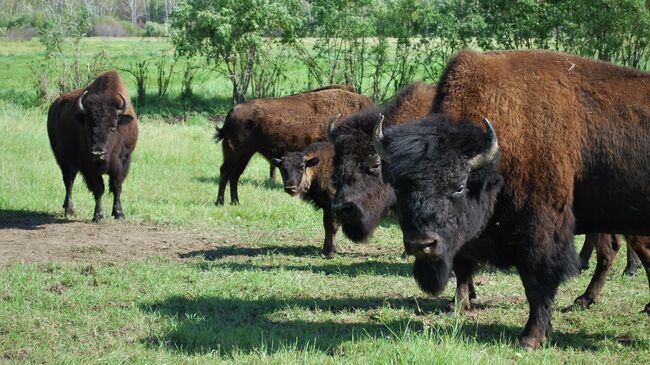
153 29
107 26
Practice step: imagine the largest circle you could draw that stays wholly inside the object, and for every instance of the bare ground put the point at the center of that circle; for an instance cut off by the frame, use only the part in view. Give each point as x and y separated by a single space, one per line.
43 239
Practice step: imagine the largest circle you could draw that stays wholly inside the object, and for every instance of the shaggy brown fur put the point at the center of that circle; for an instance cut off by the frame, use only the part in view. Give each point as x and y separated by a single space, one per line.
98 140
363 197
574 140
308 174
275 126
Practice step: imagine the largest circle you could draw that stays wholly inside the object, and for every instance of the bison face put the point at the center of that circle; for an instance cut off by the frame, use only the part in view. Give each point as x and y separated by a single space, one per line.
294 168
446 184
362 197
101 117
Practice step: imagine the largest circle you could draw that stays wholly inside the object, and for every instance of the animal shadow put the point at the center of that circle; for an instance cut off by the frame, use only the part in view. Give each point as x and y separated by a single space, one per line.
24 219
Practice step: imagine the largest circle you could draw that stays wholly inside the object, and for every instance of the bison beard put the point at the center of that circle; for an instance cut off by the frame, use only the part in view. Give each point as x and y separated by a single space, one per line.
432 277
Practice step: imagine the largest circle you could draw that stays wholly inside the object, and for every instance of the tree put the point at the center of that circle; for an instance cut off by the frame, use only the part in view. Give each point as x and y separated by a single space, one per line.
230 32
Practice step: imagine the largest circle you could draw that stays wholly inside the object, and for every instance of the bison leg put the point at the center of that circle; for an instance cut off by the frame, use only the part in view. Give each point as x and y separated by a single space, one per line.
633 262
587 250
464 271
607 247
331 227
641 245
96 185
69 175
116 189
233 166
272 173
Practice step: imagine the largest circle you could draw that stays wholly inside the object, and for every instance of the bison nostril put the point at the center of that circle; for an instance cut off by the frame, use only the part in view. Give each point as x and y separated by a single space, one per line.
291 189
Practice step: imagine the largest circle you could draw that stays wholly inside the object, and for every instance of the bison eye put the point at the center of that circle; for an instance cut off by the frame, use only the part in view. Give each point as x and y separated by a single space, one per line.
460 191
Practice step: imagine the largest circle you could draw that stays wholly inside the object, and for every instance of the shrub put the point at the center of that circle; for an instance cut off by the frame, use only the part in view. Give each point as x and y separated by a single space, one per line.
21 33
107 26
153 29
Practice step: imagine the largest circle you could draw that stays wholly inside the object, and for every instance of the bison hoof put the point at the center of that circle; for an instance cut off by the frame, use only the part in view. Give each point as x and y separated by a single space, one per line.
629 271
329 254
529 343
119 215
646 309
98 217
405 256
234 202
219 201
583 302
461 308
69 212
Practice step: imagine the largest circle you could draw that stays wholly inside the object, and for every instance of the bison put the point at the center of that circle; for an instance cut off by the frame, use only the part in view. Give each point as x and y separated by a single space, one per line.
275 126
308 174
94 131
362 197
572 156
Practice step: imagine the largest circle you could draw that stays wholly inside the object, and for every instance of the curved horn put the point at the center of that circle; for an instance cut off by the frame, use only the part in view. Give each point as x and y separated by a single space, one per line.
80 104
330 127
378 139
121 110
486 157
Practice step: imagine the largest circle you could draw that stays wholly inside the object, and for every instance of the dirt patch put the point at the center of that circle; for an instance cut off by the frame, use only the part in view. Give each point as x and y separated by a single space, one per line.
79 241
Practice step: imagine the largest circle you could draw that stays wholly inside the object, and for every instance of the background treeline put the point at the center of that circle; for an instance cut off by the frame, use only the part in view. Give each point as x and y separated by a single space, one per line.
377 45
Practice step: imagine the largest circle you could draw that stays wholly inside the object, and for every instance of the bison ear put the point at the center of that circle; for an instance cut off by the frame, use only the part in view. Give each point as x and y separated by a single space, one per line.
124 119
312 162
276 162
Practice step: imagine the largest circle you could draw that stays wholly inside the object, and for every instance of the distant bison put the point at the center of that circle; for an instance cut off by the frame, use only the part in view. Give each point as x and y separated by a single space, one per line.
275 126
362 196
94 131
307 174
569 152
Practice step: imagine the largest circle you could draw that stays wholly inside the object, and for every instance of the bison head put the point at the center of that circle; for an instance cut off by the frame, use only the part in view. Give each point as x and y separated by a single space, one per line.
362 197
294 168
446 183
101 116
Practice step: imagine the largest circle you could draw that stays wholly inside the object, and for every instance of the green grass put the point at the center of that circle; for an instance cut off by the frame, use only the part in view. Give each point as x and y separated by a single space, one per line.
263 294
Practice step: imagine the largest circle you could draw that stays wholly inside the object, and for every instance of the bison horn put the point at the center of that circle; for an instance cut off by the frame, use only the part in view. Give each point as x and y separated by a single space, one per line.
80 101
378 139
486 157
330 127
121 110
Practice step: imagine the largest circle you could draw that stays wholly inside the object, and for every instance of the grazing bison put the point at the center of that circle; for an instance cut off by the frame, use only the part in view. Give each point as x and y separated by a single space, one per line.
591 240
362 197
94 131
572 155
275 126
308 174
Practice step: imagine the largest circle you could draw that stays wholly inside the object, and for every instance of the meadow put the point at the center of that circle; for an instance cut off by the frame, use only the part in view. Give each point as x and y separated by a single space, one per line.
257 289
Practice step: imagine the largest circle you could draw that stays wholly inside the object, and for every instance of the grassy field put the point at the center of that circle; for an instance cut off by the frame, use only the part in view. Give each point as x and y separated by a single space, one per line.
261 293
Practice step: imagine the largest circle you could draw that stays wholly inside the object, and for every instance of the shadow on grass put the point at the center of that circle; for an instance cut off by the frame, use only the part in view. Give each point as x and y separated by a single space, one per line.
175 105
354 269
221 252
265 183
24 219
228 326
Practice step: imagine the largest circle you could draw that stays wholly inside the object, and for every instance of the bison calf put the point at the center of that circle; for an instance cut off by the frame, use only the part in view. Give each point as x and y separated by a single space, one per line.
307 174
275 126
94 131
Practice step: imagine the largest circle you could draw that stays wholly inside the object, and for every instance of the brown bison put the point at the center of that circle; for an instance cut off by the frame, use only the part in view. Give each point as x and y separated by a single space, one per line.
308 174
275 126
94 131
362 197
569 152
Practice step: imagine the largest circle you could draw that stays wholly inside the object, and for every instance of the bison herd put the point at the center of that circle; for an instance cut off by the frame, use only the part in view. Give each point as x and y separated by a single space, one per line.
502 162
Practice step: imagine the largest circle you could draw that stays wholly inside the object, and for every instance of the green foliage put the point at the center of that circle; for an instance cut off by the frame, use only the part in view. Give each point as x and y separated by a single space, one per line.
230 33
153 29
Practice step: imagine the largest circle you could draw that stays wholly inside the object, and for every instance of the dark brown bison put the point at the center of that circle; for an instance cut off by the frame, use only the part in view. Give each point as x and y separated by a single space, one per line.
275 126
362 197
591 240
569 152
308 174
94 131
